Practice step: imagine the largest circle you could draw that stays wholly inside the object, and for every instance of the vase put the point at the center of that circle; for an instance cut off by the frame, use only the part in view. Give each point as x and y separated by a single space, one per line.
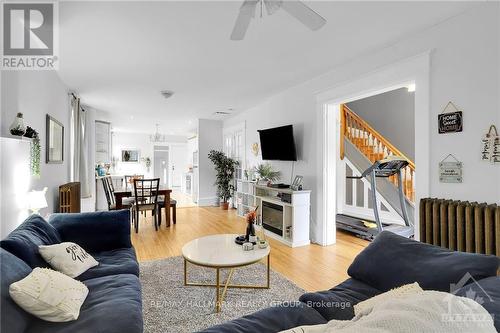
17 128
224 205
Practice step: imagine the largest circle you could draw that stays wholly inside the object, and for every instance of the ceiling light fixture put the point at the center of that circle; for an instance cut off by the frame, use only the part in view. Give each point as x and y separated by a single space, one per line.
157 136
167 93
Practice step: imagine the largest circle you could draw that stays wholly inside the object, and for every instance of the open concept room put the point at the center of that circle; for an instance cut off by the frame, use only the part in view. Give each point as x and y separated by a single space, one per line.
250 166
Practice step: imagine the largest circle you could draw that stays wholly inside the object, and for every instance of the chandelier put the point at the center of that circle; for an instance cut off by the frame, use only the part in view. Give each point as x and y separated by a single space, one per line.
157 136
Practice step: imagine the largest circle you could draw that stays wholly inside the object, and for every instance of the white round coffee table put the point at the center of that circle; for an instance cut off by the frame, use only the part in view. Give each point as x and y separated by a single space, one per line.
221 252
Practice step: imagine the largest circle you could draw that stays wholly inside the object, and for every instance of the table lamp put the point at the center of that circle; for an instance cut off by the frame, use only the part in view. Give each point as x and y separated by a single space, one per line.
37 201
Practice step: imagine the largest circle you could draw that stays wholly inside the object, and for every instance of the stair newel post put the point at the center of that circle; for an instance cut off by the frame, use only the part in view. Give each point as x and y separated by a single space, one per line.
342 131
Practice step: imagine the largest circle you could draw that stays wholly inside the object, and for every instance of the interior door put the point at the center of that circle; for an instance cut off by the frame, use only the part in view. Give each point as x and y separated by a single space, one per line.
161 164
178 164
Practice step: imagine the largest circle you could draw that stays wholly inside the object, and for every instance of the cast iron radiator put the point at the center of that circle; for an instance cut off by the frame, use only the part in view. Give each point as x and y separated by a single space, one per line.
460 225
69 198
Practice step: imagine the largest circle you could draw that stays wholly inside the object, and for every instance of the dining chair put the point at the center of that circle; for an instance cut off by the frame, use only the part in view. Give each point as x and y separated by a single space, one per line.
129 180
173 206
146 198
109 192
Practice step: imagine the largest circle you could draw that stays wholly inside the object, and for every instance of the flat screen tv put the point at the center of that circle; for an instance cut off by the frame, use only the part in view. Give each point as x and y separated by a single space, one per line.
278 144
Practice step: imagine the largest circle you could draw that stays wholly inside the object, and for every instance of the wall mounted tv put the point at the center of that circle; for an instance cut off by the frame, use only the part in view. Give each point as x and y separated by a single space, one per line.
278 144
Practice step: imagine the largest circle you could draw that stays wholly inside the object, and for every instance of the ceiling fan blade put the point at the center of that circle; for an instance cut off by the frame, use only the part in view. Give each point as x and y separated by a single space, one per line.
272 6
247 11
304 14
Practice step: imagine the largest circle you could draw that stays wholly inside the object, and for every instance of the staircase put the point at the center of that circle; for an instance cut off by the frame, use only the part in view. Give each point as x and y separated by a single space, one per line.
374 147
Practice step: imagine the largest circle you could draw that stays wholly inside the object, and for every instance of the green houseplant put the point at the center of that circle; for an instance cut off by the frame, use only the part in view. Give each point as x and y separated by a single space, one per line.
266 172
225 168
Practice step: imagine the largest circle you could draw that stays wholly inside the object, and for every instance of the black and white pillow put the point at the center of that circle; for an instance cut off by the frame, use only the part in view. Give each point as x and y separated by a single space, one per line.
68 258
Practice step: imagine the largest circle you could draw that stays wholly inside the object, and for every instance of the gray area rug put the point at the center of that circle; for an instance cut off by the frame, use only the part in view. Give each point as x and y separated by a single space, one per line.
169 306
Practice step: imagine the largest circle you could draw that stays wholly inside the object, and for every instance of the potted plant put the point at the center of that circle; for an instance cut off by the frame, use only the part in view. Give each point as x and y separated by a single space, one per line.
267 173
225 168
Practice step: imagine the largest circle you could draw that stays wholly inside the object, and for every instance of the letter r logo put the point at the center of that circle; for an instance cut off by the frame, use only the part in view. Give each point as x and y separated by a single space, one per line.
28 29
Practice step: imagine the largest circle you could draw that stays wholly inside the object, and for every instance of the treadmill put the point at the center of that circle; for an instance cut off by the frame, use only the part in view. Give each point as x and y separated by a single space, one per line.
383 168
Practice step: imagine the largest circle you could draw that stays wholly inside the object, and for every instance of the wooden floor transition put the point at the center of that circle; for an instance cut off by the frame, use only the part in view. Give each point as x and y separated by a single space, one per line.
311 267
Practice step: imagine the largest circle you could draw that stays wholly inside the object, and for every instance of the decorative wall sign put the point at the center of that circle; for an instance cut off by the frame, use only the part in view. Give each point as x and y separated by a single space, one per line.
490 146
450 122
450 172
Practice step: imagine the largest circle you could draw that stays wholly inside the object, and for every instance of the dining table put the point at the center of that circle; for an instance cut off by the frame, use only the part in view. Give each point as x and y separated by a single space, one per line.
126 193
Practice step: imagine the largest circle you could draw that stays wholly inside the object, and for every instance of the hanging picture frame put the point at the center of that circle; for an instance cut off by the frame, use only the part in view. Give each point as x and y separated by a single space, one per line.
450 122
450 171
490 146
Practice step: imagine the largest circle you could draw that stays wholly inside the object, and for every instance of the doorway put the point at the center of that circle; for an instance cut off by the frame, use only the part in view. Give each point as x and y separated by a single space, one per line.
414 70
160 166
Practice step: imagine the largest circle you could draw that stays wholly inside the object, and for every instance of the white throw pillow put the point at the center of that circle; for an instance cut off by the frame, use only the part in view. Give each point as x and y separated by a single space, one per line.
366 306
68 258
49 295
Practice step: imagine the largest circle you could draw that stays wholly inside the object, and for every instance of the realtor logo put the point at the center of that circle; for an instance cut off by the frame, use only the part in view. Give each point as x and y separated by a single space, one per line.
29 36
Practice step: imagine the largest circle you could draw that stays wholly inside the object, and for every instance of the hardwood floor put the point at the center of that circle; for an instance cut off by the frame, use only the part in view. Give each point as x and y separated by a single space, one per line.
311 267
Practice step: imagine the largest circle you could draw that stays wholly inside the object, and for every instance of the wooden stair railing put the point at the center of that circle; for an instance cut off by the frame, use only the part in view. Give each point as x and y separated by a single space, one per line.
374 146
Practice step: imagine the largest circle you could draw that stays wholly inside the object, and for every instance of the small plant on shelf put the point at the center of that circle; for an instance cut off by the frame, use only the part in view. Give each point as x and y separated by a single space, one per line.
225 168
35 151
266 172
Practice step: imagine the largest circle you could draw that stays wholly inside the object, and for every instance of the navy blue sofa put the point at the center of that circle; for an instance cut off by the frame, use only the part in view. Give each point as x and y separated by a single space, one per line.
388 262
114 303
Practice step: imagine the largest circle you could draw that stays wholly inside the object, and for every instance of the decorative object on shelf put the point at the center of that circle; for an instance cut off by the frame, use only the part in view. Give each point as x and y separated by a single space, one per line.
297 183
266 172
288 232
54 147
130 155
17 127
490 144
225 168
147 162
37 201
247 246
450 172
450 122
35 151
255 149
157 137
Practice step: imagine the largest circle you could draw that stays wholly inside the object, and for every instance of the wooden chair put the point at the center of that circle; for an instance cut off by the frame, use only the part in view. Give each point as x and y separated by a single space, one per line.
146 198
109 192
173 205
129 182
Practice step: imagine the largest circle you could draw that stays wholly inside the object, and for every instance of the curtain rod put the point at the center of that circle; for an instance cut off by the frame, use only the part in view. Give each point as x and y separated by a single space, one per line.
76 97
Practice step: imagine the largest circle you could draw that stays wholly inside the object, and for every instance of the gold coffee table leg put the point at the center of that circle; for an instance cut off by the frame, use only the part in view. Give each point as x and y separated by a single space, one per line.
217 293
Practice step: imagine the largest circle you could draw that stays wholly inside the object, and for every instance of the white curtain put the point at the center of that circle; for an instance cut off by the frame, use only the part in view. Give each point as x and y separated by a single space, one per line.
79 147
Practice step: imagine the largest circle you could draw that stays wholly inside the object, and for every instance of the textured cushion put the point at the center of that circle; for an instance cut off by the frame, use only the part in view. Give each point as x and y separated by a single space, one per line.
338 302
112 306
97 231
68 258
49 295
487 293
119 261
271 320
23 242
391 261
14 319
366 306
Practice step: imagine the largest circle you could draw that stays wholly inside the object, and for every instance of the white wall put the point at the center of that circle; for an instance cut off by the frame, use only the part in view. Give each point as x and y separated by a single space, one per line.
141 141
464 69
392 114
35 94
209 137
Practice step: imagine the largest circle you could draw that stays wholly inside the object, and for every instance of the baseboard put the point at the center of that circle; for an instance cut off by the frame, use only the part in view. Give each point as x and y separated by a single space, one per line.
211 201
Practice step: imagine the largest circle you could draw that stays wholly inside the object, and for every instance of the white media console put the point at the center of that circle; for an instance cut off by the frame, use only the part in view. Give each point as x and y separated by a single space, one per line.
283 213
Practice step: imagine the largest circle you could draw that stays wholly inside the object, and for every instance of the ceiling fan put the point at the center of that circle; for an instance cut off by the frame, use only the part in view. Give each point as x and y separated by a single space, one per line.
296 8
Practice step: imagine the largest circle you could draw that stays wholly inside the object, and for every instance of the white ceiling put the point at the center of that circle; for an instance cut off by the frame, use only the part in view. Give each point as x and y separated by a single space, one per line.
119 55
